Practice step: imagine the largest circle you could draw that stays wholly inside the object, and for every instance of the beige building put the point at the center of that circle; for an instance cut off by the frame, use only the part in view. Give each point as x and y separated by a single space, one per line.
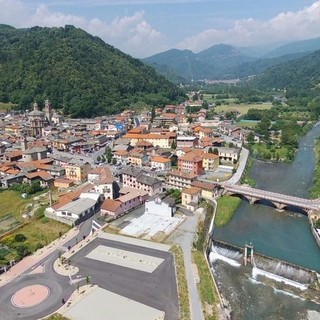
210 161
190 198
180 179
157 140
78 172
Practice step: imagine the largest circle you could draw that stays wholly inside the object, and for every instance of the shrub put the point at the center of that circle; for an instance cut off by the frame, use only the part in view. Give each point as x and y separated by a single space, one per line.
20 237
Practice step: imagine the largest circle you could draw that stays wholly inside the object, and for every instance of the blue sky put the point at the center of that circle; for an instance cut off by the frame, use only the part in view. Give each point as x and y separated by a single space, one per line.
145 27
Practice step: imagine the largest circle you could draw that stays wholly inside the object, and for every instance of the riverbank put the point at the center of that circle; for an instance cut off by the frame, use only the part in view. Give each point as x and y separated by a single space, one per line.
226 208
315 189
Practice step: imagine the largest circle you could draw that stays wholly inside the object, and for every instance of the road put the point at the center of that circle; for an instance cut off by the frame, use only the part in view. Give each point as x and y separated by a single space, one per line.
59 285
184 236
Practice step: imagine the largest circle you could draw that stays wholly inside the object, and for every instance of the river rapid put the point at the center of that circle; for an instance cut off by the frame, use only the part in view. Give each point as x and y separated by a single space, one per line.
282 235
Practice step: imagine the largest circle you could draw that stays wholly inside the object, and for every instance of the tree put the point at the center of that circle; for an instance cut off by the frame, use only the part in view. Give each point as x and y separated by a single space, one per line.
190 120
210 150
250 138
174 145
99 159
205 104
153 114
114 161
215 151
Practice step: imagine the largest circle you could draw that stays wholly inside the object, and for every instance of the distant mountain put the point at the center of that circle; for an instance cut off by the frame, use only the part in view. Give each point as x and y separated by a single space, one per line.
303 46
256 67
76 71
302 73
202 65
227 62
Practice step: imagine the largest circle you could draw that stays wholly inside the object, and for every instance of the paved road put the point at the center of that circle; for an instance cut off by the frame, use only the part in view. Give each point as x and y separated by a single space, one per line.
184 236
59 285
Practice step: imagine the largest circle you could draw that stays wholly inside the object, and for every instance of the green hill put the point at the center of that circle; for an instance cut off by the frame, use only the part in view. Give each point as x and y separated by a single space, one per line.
299 74
76 71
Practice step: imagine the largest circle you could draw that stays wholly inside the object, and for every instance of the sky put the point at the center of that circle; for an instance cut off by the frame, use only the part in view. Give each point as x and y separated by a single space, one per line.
142 28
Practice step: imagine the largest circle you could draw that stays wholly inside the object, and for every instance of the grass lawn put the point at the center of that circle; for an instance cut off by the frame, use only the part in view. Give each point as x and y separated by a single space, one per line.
11 202
242 108
227 205
273 151
206 287
183 292
43 230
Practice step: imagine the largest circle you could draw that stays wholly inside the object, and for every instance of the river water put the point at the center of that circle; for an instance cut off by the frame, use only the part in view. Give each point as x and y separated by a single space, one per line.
283 235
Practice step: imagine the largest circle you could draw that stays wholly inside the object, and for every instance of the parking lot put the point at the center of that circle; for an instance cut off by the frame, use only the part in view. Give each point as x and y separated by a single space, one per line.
137 270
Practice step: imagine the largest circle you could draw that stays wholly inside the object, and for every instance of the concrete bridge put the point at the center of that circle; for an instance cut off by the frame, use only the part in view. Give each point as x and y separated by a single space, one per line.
280 201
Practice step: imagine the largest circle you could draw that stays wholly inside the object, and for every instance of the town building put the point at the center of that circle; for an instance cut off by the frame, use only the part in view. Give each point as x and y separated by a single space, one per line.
191 162
161 205
180 179
190 198
78 172
160 163
210 161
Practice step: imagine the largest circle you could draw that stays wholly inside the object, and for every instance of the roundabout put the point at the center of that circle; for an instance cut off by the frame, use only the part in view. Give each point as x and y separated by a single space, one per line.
30 296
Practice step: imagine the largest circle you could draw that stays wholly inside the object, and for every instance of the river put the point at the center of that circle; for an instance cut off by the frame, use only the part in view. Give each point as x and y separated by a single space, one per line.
283 235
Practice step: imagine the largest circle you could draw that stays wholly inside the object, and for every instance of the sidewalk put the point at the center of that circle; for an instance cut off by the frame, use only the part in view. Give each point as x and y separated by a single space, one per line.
29 261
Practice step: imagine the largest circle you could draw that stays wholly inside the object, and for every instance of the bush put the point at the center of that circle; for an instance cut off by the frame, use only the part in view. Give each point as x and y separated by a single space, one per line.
20 237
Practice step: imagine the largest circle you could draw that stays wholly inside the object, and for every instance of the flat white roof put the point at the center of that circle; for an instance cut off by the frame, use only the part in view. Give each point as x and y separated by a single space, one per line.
125 258
102 304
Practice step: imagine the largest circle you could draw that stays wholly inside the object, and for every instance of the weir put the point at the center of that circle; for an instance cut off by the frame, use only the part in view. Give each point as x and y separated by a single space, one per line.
263 265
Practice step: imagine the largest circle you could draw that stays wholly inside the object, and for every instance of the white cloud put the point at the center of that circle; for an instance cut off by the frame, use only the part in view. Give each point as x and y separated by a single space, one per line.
131 34
285 27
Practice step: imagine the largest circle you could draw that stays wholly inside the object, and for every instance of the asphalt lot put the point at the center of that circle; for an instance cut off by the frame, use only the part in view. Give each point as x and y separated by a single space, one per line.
157 289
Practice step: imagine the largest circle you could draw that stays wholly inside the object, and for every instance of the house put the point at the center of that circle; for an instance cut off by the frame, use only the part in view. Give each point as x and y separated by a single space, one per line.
104 183
180 179
210 161
46 180
229 154
160 163
121 156
33 154
12 156
137 158
208 190
129 199
161 205
205 133
78 172
190 198
62 183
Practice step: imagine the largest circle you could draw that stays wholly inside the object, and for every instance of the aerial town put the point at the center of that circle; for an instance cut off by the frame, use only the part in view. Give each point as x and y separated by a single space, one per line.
153 169
124 160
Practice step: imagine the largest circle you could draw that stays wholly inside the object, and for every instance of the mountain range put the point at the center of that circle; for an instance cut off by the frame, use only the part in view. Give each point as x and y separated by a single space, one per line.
225 61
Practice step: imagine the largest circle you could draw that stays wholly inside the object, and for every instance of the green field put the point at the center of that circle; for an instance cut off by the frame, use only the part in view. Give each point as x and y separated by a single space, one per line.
41 231
242 108
11 202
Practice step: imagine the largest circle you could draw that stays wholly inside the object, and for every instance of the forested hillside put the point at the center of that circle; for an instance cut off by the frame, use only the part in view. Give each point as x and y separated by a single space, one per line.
76 71
299 74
